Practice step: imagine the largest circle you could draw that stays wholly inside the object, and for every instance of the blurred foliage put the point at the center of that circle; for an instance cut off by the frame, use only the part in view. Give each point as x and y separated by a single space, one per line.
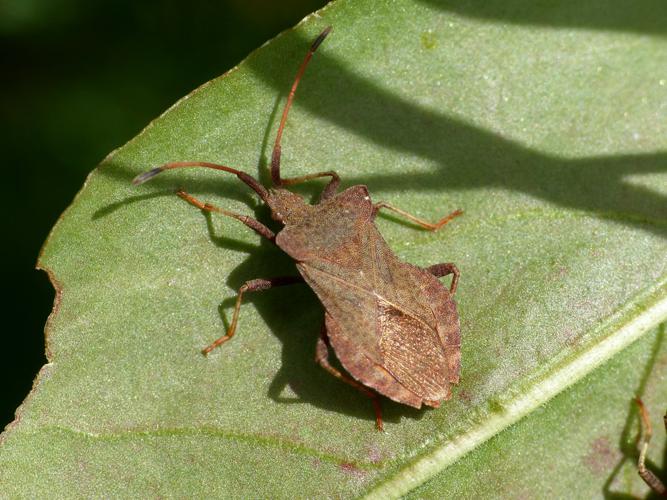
80 79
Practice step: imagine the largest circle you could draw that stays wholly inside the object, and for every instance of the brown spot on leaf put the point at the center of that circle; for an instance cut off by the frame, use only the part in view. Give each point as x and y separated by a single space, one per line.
374 454
601 457
465 396
352 469
570 338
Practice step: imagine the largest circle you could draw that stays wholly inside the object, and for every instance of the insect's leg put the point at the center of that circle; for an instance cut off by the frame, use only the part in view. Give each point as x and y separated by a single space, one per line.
649 478
322 357
431 226
440 270
328 191
251 286
253 224
275 157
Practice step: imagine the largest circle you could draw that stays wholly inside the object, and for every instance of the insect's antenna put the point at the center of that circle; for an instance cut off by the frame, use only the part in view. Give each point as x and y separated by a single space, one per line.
275 157
249 180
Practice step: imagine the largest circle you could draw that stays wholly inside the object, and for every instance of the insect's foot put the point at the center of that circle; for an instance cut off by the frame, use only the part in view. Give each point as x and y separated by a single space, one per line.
446 219
215 344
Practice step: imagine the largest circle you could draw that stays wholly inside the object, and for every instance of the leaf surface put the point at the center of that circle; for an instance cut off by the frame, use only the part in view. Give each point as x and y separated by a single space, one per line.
551 138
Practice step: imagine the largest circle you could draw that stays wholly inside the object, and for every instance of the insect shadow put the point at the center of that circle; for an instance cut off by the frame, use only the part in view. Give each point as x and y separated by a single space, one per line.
646 16
166 190
297 324
294 315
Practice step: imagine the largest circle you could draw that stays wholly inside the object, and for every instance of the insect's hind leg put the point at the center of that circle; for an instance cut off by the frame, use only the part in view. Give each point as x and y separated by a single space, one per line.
251 286
440 270
431 226
322 357
253 224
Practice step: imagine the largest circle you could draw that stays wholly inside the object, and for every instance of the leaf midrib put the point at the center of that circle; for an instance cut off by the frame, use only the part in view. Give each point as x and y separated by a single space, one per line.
560 374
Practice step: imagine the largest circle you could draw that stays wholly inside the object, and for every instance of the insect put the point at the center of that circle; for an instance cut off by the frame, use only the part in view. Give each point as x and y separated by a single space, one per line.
393 326
647 475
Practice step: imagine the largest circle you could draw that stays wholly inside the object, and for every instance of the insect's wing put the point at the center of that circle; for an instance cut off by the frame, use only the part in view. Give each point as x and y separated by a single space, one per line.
393 325
365 369
418 332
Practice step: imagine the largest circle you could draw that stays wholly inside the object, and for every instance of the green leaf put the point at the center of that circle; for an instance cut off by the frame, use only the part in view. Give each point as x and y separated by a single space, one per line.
550 135
583 441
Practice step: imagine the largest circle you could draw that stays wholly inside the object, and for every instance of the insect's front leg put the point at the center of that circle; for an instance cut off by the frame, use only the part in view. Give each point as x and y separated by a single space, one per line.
431 226
440 270
253 224
322 358
251 286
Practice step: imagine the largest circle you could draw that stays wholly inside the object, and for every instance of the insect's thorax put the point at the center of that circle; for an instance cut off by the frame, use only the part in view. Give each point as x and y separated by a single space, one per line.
315 230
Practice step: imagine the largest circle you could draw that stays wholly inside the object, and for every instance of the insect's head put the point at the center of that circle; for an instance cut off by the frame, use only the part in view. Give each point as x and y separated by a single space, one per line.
286 207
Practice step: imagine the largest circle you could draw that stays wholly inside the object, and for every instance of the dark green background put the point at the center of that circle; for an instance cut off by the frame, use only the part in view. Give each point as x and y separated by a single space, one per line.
79 79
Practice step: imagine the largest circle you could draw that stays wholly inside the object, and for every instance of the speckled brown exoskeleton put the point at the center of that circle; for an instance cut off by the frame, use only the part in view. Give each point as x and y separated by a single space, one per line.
393 326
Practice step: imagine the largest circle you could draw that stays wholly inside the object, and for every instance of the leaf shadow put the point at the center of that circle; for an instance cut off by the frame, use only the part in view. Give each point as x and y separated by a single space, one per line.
466 157
645 16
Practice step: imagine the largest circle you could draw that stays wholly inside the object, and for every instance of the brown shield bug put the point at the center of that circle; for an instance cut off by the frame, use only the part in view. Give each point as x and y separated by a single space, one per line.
393 325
